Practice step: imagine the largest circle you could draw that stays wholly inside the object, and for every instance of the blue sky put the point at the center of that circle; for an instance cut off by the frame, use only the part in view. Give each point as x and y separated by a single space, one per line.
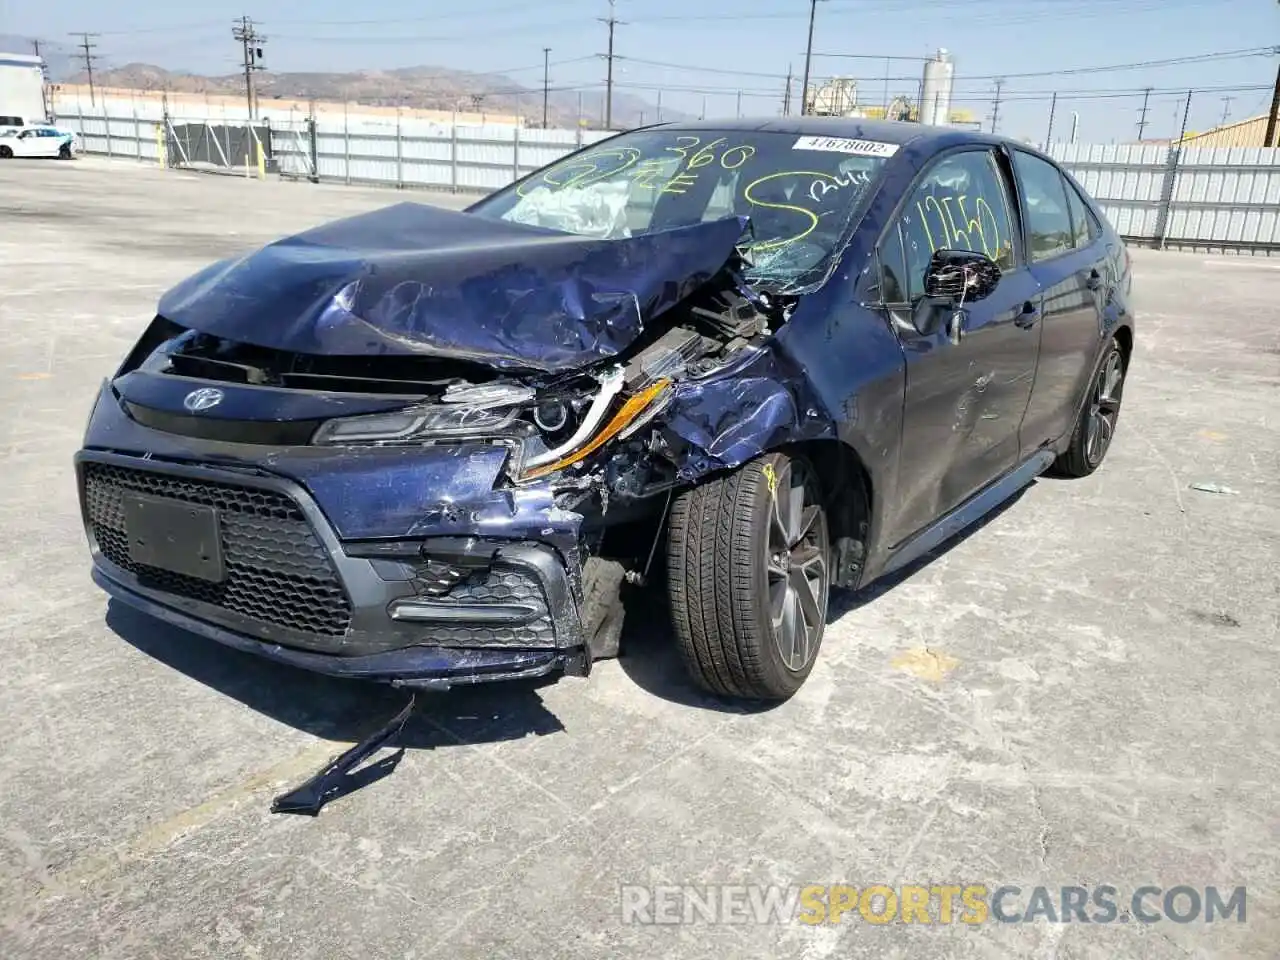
719 47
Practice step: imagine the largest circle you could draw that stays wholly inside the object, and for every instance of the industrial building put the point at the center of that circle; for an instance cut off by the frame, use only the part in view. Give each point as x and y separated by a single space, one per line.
1243 133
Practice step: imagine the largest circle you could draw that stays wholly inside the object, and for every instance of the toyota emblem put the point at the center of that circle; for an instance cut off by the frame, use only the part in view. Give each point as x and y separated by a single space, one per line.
206 398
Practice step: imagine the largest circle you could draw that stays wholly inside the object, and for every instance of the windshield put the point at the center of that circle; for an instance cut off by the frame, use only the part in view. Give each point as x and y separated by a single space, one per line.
800 192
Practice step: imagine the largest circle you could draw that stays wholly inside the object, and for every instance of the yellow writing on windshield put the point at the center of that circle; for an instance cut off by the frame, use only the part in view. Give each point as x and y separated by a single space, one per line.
588 169
667 174
801 192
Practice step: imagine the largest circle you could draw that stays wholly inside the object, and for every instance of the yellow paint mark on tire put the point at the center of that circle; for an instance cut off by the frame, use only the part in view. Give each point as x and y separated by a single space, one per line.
770 477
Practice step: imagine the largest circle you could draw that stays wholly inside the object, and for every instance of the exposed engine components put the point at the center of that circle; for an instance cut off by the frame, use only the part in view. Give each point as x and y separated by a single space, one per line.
666 358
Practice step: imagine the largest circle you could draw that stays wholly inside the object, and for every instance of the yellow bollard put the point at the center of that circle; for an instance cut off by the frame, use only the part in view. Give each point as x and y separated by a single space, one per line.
262 160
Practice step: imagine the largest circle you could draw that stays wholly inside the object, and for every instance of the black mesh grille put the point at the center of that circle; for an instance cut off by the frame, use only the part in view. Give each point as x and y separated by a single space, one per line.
277 570
499 585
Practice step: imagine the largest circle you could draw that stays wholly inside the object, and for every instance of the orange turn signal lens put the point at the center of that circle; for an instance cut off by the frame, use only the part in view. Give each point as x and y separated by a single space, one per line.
629 412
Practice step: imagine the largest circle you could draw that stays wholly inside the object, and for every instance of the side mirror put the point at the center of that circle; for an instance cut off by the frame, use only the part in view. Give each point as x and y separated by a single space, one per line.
960 276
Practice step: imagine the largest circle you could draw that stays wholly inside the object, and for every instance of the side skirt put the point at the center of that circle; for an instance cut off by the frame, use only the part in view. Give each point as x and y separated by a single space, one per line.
969 512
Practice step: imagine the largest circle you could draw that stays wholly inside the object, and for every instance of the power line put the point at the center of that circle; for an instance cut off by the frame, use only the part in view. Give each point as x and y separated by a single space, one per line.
696 69
1140 65
88 57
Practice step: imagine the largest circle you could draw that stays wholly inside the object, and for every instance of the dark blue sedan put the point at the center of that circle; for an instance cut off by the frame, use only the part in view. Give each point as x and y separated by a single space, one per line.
747 361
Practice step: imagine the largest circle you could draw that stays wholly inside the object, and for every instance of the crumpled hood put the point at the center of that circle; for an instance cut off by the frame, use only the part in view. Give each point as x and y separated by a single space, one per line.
413 279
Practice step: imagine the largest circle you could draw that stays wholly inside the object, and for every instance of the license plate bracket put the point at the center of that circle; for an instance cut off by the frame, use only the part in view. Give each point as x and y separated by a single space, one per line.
173 535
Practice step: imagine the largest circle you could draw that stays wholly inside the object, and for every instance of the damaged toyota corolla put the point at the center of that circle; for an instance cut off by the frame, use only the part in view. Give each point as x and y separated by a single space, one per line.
754 361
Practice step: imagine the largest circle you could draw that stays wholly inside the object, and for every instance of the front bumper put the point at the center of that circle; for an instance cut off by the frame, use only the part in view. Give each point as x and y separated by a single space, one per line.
430 611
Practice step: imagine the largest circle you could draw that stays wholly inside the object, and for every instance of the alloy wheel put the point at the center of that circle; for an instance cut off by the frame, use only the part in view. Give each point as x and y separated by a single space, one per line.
796 565
1104 409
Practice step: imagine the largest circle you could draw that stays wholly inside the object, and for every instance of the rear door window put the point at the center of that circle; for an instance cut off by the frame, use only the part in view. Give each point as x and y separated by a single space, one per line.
1084 227
1046 212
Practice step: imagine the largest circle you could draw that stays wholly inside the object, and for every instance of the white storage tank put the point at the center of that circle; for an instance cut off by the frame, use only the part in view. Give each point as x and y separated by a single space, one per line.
935 92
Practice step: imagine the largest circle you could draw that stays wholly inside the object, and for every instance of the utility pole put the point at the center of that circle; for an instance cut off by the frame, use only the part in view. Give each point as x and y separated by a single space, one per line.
1226 110
612 21
546 83
88 57
1142 117
1053 108
739 104
659 106
786 95
1268 140
250 41
808 57
44 82
1186 115
995 108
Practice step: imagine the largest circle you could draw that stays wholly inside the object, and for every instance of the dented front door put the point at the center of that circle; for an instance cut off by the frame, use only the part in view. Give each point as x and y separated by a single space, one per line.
968 376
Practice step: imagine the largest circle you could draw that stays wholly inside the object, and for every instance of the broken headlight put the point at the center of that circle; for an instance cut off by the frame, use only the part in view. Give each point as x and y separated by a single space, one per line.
565 434
598 428
421 424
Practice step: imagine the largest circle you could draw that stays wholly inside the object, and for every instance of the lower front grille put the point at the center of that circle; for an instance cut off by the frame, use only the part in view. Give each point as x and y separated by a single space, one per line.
500 584
277 570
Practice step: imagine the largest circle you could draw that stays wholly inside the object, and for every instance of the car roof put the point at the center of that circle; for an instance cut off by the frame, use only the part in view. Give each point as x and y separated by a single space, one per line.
900 132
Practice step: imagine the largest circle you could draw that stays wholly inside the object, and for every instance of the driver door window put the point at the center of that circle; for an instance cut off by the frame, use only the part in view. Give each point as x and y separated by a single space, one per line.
960 204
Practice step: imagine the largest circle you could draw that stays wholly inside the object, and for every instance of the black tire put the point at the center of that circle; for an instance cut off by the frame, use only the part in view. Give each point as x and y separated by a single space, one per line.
64 152
726 579
602 609
6 153
1099 417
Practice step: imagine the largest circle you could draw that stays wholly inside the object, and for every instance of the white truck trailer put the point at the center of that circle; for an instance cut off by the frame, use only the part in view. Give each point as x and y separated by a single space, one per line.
22 99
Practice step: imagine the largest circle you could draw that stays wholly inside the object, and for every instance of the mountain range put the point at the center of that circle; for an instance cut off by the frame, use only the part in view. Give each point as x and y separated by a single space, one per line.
439 88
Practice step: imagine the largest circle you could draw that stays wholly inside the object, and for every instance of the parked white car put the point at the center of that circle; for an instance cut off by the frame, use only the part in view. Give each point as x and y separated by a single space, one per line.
41 140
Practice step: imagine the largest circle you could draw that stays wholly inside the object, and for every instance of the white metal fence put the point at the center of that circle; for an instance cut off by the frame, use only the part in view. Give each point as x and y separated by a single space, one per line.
1224 197
1211 198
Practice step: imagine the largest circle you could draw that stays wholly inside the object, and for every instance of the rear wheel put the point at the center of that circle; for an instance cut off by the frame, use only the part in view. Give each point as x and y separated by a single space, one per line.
1096 427
749 577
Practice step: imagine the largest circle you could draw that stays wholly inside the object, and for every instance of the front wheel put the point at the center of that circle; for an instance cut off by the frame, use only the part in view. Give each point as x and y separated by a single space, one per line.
6 153
64 152
748 566
1096 427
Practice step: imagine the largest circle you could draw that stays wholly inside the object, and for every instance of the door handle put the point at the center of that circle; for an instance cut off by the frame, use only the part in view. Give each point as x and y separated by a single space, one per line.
1095 280
1028 317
